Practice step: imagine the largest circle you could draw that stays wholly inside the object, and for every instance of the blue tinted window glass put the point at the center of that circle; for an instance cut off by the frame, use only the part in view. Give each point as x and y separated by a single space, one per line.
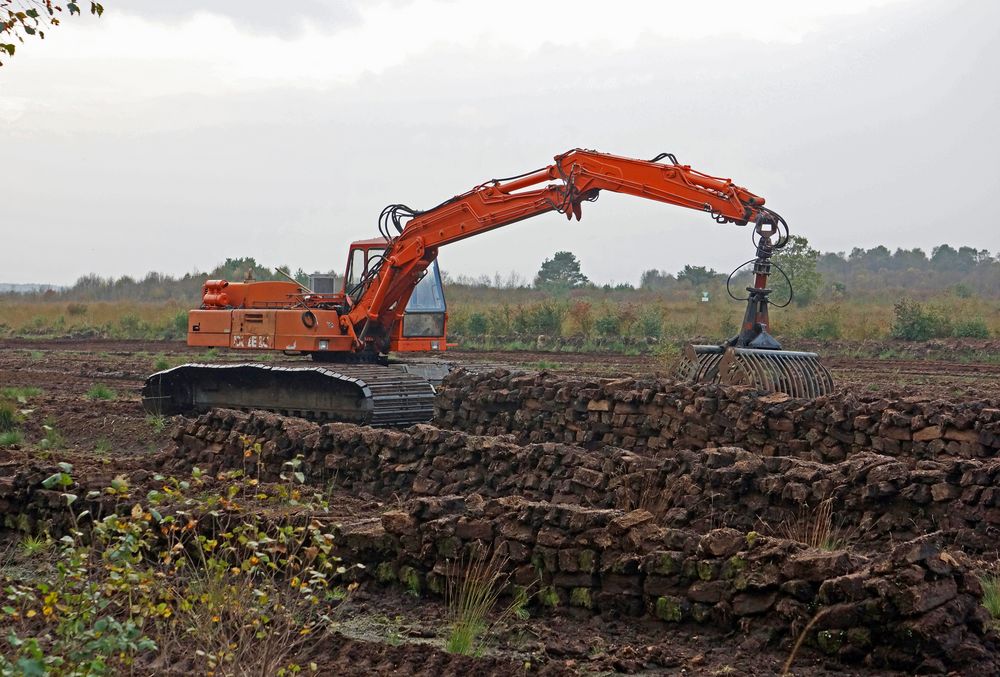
428 295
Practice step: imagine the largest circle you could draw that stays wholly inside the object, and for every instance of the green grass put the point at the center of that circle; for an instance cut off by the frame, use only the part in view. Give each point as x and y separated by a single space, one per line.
157 423
10 438
473 593
161 363
991 594
32 546
8 417
20 394
102 446
101 392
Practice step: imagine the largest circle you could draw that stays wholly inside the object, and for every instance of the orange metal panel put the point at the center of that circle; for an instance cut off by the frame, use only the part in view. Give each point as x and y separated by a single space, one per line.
303 329
209 327
422 344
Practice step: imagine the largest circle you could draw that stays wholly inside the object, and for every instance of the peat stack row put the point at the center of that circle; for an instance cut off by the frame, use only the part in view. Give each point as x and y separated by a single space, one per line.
646 415
916 608
877 497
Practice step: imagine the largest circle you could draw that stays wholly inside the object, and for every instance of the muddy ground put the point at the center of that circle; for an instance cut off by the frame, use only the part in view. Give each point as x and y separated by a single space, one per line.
386 630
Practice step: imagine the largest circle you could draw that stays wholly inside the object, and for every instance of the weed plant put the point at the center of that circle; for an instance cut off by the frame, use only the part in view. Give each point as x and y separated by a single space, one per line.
168 578
473 591
101 392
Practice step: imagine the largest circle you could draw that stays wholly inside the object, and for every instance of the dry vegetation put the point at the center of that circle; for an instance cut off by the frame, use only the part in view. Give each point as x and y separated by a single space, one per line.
593 315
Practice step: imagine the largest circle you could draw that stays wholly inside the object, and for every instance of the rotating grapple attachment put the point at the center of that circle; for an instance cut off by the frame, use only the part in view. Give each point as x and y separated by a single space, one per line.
754 357
796 373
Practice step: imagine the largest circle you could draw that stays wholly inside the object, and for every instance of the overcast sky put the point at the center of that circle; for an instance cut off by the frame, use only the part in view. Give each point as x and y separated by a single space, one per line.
171 134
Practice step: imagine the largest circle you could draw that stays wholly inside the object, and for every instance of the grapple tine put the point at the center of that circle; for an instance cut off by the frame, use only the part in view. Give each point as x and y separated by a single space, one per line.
700 363
796 373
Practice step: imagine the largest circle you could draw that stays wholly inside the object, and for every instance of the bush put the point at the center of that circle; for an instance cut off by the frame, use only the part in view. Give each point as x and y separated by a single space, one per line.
76 309
651 323
823 324
131 326
178 325
972 328
543 318
607 325
477 324
915 323
581 313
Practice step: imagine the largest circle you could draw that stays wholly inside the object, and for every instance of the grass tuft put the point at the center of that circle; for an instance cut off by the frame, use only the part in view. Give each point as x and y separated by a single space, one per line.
11 438
991 594
472 593
9 418
101 392
815 527
20 394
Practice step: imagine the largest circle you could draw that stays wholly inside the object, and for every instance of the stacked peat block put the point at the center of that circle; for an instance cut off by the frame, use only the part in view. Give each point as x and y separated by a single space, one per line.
551 513
421 460
915 608
877 497
649 414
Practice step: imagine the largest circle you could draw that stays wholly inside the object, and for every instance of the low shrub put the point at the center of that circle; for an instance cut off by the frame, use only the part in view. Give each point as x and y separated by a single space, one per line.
971 328
824 324
914 322
607 325
477 324
651 323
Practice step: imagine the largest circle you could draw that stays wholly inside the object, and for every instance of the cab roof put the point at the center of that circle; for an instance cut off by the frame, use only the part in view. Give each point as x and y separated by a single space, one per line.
373 242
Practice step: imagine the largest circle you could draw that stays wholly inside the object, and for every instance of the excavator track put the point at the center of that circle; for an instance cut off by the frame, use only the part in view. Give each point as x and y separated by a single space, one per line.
365 394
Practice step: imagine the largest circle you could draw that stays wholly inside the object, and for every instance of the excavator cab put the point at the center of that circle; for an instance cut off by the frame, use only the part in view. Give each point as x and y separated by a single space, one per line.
424 325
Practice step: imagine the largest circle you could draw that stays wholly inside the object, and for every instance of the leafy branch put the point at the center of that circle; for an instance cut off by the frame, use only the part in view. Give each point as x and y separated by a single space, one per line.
20 18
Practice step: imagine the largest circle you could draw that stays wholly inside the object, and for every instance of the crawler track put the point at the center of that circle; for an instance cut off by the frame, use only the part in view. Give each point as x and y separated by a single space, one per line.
366 394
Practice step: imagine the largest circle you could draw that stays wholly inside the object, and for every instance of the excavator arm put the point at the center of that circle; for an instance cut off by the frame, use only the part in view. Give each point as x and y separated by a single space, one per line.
575 177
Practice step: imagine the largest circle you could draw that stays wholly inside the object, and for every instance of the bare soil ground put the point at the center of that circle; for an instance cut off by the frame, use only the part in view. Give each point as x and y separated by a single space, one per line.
386 631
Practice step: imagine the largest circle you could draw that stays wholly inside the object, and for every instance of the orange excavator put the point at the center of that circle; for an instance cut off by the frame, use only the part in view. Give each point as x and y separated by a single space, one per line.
392 301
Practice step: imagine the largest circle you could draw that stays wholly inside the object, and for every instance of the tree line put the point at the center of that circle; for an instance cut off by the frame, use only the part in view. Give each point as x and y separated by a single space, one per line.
875 273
